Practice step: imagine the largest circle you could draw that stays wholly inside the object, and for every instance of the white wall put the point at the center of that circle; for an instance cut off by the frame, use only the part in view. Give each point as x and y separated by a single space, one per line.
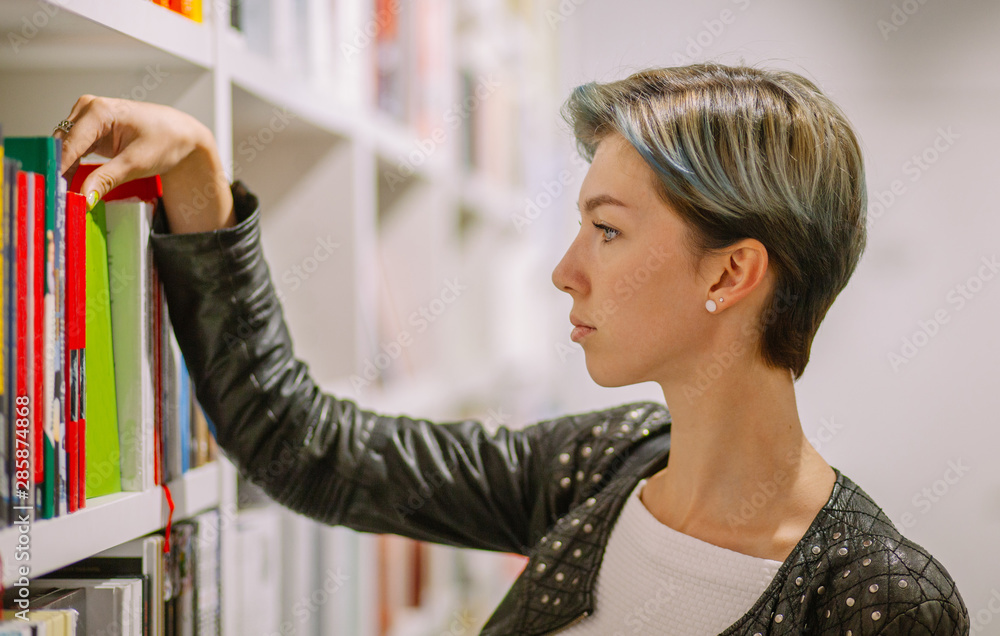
895 430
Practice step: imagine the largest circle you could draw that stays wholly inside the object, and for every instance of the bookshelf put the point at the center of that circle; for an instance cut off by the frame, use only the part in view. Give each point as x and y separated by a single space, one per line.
400 200
110 520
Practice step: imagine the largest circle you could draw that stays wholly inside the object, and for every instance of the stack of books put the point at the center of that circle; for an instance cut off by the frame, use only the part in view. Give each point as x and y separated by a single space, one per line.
137 588
187 8
95 397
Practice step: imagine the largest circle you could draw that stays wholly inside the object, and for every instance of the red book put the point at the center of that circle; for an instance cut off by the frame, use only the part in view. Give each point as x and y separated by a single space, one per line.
146 189
158 455
25 356
75 362
38 330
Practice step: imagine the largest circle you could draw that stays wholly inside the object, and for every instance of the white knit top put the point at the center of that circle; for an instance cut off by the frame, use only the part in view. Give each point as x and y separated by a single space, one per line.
655 580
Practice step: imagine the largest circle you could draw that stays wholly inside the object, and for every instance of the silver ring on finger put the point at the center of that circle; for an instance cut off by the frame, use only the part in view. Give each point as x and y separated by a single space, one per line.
65 126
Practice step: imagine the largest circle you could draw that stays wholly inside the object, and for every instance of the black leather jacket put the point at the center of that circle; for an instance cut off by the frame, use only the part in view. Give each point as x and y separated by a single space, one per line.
551 491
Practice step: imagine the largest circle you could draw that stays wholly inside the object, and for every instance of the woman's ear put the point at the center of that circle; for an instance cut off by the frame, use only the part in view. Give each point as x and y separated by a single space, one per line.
737 271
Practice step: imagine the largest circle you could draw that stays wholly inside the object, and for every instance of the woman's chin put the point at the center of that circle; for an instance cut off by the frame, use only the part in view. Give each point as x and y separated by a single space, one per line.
608 378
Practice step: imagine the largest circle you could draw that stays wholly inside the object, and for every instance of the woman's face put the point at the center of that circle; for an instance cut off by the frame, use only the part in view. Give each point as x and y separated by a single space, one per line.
631 281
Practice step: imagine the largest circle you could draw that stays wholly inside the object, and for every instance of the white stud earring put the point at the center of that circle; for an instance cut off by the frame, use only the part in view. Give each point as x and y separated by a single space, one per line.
710 304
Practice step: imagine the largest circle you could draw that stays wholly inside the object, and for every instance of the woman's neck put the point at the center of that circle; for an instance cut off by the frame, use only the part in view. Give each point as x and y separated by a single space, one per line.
741 474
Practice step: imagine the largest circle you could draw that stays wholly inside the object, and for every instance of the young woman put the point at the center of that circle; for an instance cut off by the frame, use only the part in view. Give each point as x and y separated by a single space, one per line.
722 214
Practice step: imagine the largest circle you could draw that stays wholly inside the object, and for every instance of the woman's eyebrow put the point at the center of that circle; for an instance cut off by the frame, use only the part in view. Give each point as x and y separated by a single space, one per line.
599 200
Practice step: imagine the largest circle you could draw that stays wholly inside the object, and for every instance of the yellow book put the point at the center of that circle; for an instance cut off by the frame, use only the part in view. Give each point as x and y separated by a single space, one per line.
191 9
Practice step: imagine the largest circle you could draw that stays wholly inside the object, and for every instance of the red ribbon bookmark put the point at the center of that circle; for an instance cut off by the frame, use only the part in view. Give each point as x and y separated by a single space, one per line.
170 517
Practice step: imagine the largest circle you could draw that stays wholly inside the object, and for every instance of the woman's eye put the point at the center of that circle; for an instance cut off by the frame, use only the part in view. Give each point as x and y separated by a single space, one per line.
609 233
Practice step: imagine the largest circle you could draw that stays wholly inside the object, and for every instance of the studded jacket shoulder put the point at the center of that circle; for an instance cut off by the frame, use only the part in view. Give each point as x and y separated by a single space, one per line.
551 491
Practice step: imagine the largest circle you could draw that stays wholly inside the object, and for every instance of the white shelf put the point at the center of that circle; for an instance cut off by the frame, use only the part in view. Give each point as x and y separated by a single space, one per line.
328 150
112 34
493 201
106 522
260 76
394 142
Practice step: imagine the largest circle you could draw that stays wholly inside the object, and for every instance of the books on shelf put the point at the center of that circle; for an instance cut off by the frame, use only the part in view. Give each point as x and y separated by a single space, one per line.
411 65
191 9
138 588
39 206
102 467
95 394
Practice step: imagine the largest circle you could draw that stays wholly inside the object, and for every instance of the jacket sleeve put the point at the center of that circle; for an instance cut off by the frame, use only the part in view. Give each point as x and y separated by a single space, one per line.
930 618
452 482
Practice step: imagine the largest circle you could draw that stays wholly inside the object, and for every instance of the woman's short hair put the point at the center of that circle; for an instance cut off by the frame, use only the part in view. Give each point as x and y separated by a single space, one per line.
741 152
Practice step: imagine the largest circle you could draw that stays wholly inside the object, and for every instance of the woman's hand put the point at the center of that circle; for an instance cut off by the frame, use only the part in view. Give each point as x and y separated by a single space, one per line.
141 140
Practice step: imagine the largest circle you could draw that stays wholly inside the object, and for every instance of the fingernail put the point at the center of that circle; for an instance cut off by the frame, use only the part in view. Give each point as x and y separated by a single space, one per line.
91 200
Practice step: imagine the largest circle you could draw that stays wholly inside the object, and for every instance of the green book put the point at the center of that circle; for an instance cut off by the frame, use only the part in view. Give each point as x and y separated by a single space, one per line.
43 155
103 463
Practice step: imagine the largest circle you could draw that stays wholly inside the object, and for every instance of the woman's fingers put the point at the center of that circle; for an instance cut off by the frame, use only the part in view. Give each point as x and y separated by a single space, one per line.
68 168
108 176
87 128
142 139
100 125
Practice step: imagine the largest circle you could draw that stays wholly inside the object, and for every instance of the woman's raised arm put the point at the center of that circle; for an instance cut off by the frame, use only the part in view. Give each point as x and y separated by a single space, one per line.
455 482
142 140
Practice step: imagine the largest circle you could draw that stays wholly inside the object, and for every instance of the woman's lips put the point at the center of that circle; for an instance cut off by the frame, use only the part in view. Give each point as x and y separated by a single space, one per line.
580 332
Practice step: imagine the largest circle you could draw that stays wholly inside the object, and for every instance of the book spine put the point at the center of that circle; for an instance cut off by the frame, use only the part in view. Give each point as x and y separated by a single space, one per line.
171 448
50 503
101 437
58 355
7 417
191 9
159 456
134 367
183 406
80 360
6 422
75 344
25 410
37 300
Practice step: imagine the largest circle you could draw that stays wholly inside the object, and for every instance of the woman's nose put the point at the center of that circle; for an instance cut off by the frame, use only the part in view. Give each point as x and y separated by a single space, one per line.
567 275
